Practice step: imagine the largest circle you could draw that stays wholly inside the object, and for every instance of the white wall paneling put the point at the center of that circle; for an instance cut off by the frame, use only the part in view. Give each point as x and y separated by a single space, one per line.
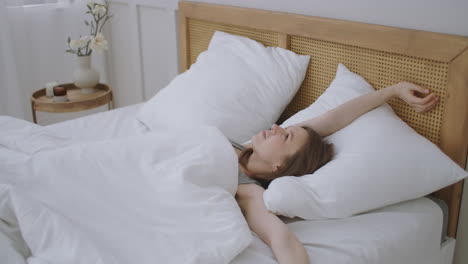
122 51
158 43
143 48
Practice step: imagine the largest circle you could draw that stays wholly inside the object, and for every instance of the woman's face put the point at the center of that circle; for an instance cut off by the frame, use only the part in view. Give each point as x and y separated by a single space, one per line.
275 145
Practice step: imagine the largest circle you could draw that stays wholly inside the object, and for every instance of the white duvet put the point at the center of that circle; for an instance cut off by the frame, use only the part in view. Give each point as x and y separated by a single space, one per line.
152 198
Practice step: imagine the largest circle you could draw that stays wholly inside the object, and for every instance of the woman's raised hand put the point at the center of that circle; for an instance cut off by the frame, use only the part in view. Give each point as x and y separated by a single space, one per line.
335 119
421 99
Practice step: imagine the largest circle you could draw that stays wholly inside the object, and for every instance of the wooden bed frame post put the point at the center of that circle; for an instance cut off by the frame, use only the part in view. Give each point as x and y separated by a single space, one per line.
454 132
183 40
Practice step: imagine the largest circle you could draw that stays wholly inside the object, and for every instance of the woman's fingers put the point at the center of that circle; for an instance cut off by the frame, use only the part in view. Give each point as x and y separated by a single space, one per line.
412 94
418 88
432 106
425 100
427 104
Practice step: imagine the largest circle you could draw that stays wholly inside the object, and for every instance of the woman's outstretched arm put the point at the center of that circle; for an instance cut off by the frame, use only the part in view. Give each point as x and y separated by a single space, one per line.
343 115
284 244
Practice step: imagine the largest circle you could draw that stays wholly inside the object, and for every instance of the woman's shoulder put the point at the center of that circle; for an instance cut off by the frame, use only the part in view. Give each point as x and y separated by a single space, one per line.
249 190
244 179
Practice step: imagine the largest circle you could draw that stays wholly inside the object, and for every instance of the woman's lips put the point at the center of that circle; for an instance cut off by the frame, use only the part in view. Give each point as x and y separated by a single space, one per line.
264 134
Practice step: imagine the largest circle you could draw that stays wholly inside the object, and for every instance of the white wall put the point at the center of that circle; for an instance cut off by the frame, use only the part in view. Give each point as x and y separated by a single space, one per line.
143 47
143 42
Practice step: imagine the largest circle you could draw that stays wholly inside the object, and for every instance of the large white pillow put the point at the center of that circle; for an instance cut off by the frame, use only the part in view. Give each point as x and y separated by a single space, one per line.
379 161
237 85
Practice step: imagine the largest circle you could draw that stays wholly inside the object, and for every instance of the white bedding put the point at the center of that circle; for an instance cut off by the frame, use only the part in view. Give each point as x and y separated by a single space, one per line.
139 199
117 123
408 232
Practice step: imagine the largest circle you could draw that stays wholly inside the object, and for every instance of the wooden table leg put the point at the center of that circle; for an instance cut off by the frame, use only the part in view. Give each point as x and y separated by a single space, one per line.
112 100
33 113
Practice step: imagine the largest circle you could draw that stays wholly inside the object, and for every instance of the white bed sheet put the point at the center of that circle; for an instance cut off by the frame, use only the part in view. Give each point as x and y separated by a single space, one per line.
448 250
408 232
116 123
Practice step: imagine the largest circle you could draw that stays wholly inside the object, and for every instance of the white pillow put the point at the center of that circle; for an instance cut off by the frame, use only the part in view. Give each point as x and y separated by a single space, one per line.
379 161
237 85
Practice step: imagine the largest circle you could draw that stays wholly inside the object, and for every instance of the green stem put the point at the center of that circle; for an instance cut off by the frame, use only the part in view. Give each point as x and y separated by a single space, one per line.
92 27
97 26
87 50
103 23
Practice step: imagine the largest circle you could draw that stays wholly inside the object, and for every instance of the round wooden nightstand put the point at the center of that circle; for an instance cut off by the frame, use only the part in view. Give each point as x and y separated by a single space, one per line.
76 100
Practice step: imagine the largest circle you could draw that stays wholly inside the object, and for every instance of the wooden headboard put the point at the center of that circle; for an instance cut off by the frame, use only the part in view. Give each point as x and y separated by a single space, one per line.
382 55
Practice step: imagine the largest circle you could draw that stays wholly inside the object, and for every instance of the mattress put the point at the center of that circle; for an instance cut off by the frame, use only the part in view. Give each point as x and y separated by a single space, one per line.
408 232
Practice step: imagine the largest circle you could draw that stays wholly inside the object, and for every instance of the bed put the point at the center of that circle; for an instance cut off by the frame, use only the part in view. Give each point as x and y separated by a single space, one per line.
415 231
382 236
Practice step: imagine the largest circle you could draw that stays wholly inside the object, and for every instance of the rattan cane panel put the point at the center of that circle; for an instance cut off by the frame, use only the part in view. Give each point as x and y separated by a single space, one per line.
200 33
380 69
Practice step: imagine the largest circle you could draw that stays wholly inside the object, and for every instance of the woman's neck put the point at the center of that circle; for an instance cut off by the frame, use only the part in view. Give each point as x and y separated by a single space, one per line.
238 151
253 166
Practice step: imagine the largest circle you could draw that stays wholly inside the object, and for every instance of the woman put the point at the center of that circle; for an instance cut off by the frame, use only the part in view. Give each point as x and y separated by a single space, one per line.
299 150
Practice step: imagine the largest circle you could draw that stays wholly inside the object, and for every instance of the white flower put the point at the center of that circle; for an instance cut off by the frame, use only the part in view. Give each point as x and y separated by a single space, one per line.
98 43
99 10
80 43
73 44
85 38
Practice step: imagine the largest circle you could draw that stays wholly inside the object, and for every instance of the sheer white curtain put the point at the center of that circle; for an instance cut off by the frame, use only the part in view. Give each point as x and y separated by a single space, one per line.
32 49
10 92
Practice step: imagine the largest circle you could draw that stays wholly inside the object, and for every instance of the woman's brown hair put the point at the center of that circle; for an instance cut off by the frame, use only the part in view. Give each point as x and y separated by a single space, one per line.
315 153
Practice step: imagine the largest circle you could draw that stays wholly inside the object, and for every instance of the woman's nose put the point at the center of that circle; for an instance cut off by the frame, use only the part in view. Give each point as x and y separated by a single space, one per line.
275 128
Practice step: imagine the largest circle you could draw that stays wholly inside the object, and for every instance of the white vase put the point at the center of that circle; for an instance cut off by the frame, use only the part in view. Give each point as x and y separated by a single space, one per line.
85 76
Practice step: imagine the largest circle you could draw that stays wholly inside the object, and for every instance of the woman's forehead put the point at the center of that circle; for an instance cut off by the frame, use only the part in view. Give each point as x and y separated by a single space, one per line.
299 134
295 127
